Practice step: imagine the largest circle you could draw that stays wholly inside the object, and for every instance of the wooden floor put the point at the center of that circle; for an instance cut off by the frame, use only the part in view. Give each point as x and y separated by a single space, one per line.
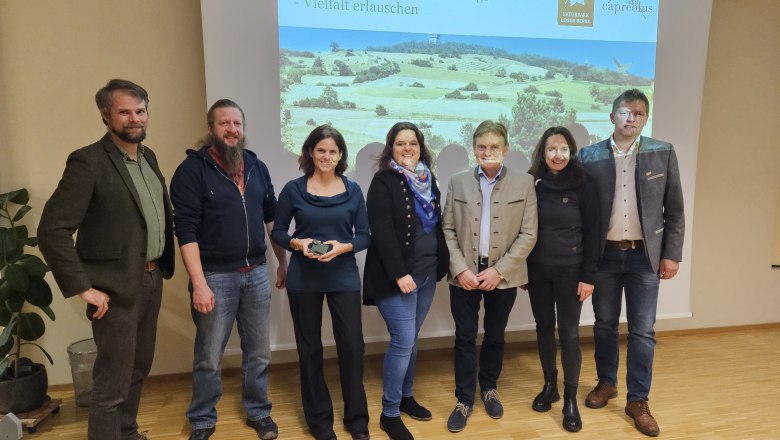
711 385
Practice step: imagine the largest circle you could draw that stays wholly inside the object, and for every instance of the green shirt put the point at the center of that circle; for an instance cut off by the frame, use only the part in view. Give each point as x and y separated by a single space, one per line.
150 192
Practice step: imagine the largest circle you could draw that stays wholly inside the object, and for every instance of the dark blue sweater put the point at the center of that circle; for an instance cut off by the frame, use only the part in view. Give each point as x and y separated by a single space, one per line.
341 217
210 210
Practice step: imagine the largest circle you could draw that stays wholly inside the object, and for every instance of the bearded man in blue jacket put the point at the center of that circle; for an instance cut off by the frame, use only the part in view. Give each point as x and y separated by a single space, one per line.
222 195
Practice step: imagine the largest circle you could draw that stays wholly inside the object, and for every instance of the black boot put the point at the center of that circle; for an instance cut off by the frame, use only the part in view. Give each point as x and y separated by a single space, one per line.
549 393
394 428
571 415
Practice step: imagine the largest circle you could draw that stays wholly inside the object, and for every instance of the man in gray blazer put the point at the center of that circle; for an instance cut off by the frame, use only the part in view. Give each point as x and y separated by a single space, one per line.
641 242
490 227
113 194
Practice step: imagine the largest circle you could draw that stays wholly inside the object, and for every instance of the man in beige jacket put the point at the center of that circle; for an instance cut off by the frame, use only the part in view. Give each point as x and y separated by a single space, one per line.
490 228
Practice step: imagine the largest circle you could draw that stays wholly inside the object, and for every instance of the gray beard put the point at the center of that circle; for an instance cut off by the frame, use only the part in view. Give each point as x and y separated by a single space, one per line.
231 156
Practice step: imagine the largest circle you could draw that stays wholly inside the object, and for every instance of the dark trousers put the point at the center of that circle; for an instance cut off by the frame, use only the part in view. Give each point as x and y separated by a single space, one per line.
464 305
345 309
552 288
125 339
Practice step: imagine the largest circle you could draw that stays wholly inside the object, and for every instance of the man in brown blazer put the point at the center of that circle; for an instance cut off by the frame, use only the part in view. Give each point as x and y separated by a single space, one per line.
113 194
490 227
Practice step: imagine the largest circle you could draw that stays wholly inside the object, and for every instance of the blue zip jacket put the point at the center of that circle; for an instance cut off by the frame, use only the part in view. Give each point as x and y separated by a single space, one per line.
208 208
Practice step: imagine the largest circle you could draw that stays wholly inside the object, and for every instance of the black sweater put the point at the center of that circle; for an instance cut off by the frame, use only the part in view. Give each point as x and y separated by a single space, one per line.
568 210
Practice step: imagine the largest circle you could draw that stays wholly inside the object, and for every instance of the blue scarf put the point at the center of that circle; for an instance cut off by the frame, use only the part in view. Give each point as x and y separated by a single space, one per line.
420 182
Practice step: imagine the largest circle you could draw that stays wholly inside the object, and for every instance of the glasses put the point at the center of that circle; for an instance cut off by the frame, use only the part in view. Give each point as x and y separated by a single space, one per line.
625 114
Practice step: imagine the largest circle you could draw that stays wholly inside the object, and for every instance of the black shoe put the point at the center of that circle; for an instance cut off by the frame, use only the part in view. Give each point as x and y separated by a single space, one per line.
266 428
329 436
549 394
458 417
394 428
492 404
201 434
363 435
414 409
571 414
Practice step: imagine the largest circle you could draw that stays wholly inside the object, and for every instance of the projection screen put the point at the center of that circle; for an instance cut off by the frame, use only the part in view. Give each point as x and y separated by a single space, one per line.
447 65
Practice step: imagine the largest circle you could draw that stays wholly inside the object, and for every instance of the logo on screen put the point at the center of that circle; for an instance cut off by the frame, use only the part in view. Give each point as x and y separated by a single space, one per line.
575 12
626 6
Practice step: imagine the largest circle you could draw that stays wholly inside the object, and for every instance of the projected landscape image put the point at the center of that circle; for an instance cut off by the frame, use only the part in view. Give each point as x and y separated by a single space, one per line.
362 82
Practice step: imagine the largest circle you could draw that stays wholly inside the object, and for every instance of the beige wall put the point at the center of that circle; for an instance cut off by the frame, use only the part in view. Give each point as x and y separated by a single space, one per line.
56 54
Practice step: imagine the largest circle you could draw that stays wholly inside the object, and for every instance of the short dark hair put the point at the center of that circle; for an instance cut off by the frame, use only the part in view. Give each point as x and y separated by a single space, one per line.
490 127
538 163
383 162
103 96
306 163
222 103
631 95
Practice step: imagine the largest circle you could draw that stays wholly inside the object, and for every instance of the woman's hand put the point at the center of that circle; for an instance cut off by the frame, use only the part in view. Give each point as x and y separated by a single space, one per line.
584 290
302 245
406 284
338 249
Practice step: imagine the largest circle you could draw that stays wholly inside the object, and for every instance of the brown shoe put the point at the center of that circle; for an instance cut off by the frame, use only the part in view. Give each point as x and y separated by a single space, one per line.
643 420
600 395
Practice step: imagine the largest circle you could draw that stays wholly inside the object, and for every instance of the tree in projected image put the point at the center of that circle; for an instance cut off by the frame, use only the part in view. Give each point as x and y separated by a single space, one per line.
531 116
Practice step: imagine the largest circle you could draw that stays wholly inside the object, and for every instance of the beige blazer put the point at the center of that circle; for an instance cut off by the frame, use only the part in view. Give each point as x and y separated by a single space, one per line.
513 224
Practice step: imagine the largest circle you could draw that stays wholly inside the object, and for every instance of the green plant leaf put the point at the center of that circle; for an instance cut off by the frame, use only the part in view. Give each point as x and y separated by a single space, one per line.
48 356
19 197
4 364
16 278
15 303
39 292
49 312
31 326
5 292
31 241
34 266
8 245
5 314
21 212
21 232
7 340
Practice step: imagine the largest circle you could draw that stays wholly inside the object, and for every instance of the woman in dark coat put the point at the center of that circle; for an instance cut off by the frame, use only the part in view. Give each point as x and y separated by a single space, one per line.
562 265
406 258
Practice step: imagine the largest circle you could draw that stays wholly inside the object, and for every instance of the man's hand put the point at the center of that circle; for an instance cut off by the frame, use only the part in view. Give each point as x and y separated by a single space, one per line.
98 299
202 299
406 284
668 269
584 290
488 279
467 280
281 275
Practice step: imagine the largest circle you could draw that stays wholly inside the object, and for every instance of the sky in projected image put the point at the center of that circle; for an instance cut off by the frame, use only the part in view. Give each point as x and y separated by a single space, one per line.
362 76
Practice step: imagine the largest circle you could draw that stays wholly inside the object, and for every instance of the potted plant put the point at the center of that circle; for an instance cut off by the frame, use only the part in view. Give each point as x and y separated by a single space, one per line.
23 384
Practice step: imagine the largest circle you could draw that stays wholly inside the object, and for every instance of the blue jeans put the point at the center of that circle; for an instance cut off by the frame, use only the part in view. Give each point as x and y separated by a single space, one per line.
404 314
244 297
631 271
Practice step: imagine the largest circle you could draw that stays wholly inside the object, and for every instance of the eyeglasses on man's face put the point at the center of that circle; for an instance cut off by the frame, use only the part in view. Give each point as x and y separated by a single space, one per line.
625 113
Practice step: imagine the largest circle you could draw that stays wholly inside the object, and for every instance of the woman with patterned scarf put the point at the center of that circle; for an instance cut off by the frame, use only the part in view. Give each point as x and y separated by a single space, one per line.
406 258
